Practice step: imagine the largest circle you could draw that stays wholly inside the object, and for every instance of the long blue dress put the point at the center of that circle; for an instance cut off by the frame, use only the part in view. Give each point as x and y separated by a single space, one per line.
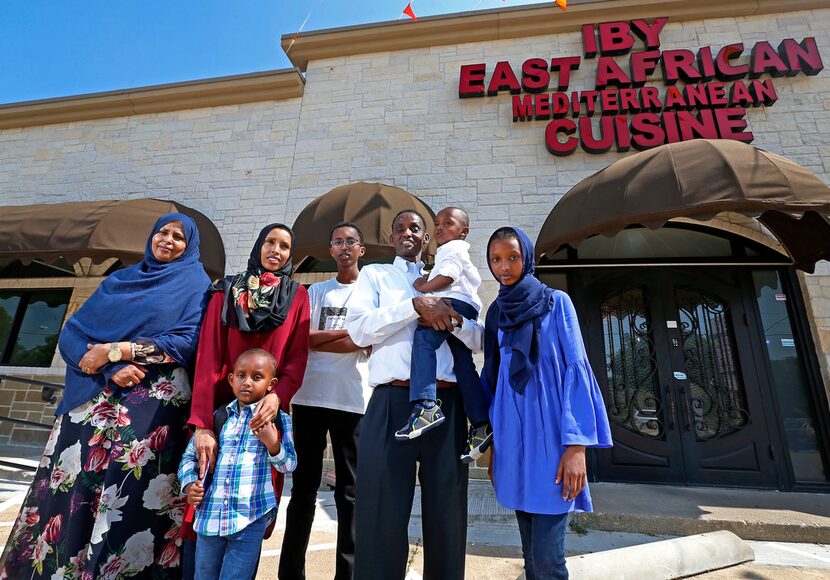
560 406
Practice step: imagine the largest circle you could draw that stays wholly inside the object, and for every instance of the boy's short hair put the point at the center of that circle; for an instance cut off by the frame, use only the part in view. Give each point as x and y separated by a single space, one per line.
348 225
462 211
259 352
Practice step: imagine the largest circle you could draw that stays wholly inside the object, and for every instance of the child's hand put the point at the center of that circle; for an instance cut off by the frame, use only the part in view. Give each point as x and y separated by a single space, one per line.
270 437
572 472
419 282
195 493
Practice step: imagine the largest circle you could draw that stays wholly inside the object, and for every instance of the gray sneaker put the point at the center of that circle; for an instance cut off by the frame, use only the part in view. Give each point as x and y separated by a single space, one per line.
478 440
420 421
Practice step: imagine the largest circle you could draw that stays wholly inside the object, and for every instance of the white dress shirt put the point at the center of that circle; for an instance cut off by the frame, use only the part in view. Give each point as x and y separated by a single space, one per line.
381 315
453 261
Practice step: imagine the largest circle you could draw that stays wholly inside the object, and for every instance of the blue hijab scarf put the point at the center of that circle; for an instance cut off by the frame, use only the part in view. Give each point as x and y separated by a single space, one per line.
159 301
517 312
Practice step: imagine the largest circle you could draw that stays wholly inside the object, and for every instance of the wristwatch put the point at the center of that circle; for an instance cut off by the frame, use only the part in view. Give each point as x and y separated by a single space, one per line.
114 354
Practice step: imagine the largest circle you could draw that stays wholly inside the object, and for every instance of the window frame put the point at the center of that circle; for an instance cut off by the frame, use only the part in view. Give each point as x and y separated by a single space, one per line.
26 295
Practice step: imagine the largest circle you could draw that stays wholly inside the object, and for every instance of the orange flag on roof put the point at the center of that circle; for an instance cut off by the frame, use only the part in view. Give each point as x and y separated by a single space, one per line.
409 12
563 4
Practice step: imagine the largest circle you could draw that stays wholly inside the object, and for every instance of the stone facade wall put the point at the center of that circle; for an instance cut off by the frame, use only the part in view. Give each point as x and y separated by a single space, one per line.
395 118
232 163
817 300
22 401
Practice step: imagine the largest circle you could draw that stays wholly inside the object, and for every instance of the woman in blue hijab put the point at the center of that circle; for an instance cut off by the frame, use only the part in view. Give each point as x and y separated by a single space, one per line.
547 407
105 499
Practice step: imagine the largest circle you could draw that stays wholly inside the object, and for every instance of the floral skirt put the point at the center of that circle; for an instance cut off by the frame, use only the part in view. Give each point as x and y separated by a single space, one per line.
105 500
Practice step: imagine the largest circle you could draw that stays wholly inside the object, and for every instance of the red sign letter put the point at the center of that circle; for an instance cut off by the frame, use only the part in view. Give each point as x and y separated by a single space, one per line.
802 57
650 35
535 75
552 142
471 80
564 66
614 38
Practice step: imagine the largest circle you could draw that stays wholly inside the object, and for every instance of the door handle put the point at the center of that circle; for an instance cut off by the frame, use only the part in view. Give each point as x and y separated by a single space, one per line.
672 408
687 419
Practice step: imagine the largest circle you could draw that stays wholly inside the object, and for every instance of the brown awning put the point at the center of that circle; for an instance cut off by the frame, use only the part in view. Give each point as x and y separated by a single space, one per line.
372 206
697 179
98 230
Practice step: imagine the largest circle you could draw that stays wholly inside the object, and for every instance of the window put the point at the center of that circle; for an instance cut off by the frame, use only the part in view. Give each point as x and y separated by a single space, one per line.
30 322
789 378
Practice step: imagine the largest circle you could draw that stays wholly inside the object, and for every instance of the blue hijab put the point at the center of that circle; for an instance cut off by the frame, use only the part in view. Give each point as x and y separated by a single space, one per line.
517 312
160 301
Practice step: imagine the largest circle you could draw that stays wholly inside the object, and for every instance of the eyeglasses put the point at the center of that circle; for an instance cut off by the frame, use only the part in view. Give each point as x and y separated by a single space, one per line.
348 242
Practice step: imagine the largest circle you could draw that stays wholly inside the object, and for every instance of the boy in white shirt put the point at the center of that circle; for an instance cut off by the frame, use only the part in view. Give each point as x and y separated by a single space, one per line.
331 400
456 279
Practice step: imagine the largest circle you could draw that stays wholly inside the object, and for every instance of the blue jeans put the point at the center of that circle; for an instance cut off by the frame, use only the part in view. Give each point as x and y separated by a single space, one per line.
423 371
233 557
543 545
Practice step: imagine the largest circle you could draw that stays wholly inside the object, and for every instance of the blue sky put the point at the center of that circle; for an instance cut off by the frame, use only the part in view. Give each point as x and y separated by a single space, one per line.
53 48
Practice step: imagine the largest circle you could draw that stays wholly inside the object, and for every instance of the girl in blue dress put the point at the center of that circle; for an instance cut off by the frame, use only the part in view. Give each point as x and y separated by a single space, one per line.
547 407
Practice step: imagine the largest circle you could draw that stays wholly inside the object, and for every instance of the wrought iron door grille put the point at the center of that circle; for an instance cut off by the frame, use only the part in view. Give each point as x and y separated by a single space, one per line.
633 400
716 394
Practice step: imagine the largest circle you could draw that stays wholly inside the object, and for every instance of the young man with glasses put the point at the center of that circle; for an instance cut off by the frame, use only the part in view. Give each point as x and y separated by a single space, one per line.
331 401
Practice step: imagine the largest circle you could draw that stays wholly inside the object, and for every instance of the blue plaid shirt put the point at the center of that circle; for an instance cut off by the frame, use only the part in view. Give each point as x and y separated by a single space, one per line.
240 491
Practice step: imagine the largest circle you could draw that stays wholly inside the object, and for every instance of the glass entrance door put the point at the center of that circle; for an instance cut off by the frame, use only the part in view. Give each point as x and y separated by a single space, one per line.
680 378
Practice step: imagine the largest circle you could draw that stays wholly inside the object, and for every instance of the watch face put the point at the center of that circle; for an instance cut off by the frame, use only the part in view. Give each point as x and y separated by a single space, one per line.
114 354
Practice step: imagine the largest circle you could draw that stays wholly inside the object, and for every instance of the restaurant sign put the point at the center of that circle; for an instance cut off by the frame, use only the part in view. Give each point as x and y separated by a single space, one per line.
717 88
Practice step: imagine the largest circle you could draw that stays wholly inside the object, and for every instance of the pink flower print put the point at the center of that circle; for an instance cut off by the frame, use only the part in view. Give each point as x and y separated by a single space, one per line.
169 558
104 415
123 416
96 439
42 549
178 505
52 531
114 566
268 279
136 456
164 390
159 437
57 478
98 459
243 302
79 561
29 515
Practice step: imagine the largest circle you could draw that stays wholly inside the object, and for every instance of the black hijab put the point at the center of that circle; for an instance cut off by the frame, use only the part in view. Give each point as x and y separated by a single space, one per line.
258 300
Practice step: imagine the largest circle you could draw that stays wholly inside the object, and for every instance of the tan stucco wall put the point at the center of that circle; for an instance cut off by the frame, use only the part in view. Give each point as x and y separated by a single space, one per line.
817 298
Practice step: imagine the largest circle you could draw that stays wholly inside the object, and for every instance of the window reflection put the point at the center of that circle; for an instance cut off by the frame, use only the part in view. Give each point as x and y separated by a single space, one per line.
30 323
790 381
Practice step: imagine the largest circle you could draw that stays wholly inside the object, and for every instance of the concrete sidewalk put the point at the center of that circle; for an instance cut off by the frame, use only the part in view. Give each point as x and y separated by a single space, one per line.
681 511
494 546
633 508
493 543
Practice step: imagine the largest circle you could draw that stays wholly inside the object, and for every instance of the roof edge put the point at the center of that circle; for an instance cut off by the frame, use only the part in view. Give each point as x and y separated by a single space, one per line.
273 85
513 22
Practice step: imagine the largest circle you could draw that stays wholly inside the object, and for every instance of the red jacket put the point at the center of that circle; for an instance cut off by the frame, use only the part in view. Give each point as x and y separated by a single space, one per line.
219 345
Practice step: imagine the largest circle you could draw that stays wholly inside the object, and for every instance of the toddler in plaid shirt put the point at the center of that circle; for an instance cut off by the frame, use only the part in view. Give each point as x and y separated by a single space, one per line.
234 509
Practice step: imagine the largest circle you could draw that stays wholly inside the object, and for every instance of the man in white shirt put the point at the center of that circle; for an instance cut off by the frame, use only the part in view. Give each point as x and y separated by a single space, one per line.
383 314
331 401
